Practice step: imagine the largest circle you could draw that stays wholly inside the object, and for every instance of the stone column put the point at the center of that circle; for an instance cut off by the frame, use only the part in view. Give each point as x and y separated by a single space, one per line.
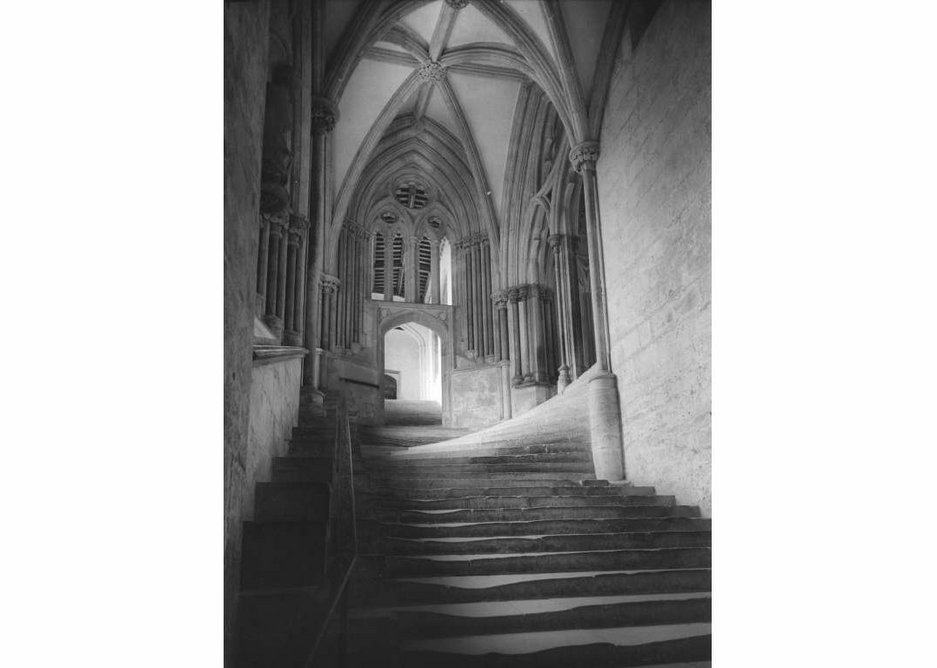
260 303
292 252
536 333
388 266
500 300
523 332
412 266
324 115
470 314
299 226
485 261
434 271
514 326
560 245
584 157
604 409
276 250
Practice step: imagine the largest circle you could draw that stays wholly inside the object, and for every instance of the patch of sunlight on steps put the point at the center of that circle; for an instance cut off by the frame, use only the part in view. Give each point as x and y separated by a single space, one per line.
487 581
536 605
524 643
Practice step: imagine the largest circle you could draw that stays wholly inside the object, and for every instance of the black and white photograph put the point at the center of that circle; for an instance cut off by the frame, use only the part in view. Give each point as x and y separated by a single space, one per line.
468 334
472 331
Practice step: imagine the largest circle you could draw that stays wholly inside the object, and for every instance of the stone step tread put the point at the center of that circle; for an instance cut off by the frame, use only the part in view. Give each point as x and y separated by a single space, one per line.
486 588
439 493
481 556
536 513
546 544
499 501
525 643
490 581
544 562
540 527
529 606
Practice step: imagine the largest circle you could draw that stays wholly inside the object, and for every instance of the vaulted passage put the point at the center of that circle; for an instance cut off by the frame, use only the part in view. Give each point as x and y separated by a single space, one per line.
467 257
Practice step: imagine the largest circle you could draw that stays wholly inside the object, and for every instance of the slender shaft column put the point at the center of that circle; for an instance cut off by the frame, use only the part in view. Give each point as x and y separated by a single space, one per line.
260 306
470 298
549 345
273 252
477 286
501 336
514 326
564 315
486 297
292 251
281 278
584 157
323 117
524 331
300 283
388 267
434 271
604 407
413 266
536 333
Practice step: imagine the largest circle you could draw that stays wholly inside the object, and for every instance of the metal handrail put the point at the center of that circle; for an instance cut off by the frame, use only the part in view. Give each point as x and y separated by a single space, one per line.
342 533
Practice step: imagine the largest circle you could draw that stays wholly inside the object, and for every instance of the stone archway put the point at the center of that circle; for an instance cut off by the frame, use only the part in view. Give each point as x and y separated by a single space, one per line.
437 318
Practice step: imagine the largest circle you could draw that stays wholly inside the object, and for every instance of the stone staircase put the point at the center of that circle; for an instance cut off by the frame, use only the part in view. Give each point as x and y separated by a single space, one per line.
513 555
289 577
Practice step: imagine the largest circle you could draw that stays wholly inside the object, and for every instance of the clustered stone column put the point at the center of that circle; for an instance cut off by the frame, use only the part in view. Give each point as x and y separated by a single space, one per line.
324 115
569 314
584 156
533 339
500 299
434 277
473 268
355 282
604 408
411 263
329 325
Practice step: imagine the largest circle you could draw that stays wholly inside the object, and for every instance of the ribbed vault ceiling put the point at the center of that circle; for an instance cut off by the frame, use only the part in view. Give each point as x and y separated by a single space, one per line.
488 50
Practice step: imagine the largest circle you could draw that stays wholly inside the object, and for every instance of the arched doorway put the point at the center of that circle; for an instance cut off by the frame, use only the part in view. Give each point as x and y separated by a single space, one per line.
425 375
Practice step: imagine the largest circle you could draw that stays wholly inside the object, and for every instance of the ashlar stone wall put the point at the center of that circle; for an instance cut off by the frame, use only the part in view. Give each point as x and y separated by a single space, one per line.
654 196
245 76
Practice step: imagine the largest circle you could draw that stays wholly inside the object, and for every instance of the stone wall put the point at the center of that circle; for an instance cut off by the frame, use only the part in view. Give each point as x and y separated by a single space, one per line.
245 76
476 397
274 411
654 197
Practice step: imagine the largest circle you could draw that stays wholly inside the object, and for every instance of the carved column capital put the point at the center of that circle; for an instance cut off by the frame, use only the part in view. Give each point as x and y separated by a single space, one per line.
431 72
522 292
534 291
324 115
457 4
512 294
584 155
500 298
298 222
329 283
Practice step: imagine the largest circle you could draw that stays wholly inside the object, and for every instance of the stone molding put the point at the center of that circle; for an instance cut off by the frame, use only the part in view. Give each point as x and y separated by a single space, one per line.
273 354
584 155
457 4
431 71
324 115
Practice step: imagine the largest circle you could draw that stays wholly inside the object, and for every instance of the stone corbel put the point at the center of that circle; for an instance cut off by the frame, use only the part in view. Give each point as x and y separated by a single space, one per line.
324 115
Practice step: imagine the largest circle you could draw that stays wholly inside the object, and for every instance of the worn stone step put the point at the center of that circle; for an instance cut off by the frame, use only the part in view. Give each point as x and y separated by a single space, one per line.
503 449
299 501
282 554
519 501
278 628
549 614
301 469
541 527
395 463
484 564
615 647
534 490
379 479
559 543
478 588
460 470
523 514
